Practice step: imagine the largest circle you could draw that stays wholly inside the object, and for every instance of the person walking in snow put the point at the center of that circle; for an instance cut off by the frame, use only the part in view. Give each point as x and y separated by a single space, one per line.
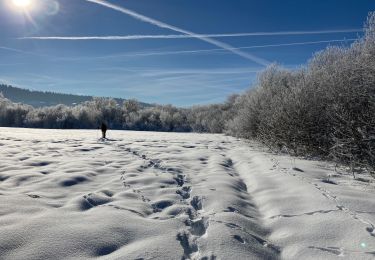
104 128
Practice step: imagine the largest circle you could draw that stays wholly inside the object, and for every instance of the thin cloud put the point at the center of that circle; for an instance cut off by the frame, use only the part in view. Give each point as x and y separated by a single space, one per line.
15 50
184 36
163 25
170 72
23 52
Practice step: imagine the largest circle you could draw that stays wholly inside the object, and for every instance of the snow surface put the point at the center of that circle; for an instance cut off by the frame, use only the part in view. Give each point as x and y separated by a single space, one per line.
145 195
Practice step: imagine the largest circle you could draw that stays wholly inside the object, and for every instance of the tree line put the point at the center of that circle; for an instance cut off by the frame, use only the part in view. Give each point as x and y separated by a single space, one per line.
129 115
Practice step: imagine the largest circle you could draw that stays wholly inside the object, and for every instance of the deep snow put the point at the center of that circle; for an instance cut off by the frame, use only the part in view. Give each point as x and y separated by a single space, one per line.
146 195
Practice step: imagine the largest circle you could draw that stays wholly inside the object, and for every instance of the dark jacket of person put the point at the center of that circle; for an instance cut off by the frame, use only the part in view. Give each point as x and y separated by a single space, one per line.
104 128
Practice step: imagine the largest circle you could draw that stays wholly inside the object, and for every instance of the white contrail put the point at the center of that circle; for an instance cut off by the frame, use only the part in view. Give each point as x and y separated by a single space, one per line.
179 30
293 44
162 53
184 36
238 48
216 50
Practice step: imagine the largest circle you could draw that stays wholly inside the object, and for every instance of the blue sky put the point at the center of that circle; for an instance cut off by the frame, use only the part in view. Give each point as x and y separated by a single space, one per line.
182 71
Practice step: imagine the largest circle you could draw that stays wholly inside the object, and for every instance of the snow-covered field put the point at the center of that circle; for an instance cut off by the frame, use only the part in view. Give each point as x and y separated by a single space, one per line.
145 195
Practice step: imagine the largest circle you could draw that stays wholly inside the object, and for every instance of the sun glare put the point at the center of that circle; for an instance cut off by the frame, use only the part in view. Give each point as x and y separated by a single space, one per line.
22 3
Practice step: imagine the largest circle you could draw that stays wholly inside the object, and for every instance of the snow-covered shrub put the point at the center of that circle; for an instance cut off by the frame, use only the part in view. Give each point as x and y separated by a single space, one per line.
325 109
12 114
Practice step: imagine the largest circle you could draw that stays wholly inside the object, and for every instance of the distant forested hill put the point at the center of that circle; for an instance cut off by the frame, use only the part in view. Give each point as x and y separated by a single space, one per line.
40 98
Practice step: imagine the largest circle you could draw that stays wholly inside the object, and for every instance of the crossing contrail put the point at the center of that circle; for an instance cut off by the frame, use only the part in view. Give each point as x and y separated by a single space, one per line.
163 53
163 25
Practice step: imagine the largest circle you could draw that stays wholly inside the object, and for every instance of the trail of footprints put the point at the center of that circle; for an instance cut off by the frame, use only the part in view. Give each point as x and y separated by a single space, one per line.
196 225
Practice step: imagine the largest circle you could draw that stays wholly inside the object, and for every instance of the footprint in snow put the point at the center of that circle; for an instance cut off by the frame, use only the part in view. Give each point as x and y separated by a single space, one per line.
239 239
